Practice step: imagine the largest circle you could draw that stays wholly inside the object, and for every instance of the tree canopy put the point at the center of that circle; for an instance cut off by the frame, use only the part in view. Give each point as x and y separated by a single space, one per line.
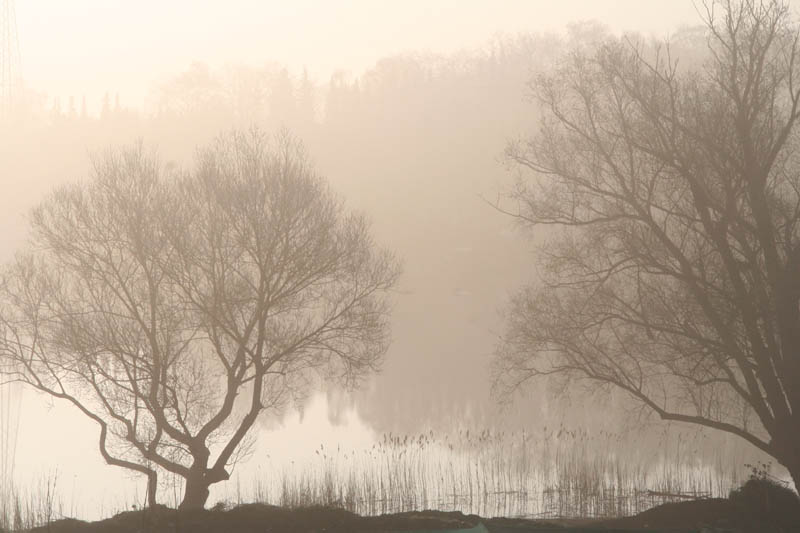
173 308
673 195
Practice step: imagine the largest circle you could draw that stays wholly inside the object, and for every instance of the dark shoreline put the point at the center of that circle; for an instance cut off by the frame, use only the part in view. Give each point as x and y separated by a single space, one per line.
683 517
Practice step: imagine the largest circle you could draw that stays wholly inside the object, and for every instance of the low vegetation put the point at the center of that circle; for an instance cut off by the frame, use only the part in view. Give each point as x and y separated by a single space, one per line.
21 510
554 473
766 501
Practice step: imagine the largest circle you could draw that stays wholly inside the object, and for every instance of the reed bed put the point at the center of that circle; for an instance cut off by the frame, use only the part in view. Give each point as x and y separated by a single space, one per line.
555 473
41 503
545 474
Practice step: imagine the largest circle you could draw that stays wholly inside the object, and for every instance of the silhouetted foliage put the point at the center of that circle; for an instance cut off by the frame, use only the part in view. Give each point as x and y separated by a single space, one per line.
765 504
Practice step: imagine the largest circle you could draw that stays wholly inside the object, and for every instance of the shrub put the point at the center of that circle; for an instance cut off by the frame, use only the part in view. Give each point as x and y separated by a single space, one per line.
764 502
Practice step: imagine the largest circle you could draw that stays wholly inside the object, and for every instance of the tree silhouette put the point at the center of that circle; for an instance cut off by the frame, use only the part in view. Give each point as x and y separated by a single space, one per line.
174 310
676 274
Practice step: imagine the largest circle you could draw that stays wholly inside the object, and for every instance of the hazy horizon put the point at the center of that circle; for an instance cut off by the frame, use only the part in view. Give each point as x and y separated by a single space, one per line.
146 42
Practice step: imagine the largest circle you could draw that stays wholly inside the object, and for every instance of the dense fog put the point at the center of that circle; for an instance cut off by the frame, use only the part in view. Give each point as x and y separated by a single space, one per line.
415 142
405 109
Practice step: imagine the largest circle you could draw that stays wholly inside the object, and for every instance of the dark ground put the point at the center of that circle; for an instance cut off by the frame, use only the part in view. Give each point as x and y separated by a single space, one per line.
710 515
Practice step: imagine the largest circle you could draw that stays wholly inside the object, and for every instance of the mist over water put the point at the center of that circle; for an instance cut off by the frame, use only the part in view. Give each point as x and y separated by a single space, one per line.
83 485
412 135
327 452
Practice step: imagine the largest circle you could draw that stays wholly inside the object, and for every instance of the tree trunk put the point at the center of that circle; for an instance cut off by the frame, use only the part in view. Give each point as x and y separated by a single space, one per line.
196 492
786 449
152 487
794 471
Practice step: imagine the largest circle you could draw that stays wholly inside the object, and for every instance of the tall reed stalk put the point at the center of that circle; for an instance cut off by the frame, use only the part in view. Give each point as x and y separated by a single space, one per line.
557 473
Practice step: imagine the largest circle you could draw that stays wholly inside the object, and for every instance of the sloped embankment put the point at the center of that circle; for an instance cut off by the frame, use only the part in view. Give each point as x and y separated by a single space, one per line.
683 517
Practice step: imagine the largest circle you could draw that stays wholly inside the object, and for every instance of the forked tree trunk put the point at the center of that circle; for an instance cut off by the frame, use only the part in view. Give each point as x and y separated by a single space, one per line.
196 493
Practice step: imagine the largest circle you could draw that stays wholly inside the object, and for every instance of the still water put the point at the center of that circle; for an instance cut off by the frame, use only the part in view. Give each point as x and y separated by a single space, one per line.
56 446
313 457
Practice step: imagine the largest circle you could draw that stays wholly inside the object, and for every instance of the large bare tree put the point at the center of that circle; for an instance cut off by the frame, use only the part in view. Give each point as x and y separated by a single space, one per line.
174 308
672 266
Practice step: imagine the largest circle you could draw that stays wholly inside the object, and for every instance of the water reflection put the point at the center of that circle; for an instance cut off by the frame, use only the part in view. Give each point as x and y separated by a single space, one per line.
314 457
545 473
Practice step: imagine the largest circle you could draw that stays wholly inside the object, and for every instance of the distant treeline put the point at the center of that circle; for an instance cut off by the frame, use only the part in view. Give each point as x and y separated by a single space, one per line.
416 142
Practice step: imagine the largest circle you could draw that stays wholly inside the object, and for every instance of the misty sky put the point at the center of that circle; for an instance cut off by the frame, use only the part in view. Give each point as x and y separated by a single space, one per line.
87 47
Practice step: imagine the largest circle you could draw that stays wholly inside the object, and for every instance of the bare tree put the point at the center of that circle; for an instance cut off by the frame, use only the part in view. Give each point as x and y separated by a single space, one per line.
173 309
673 273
